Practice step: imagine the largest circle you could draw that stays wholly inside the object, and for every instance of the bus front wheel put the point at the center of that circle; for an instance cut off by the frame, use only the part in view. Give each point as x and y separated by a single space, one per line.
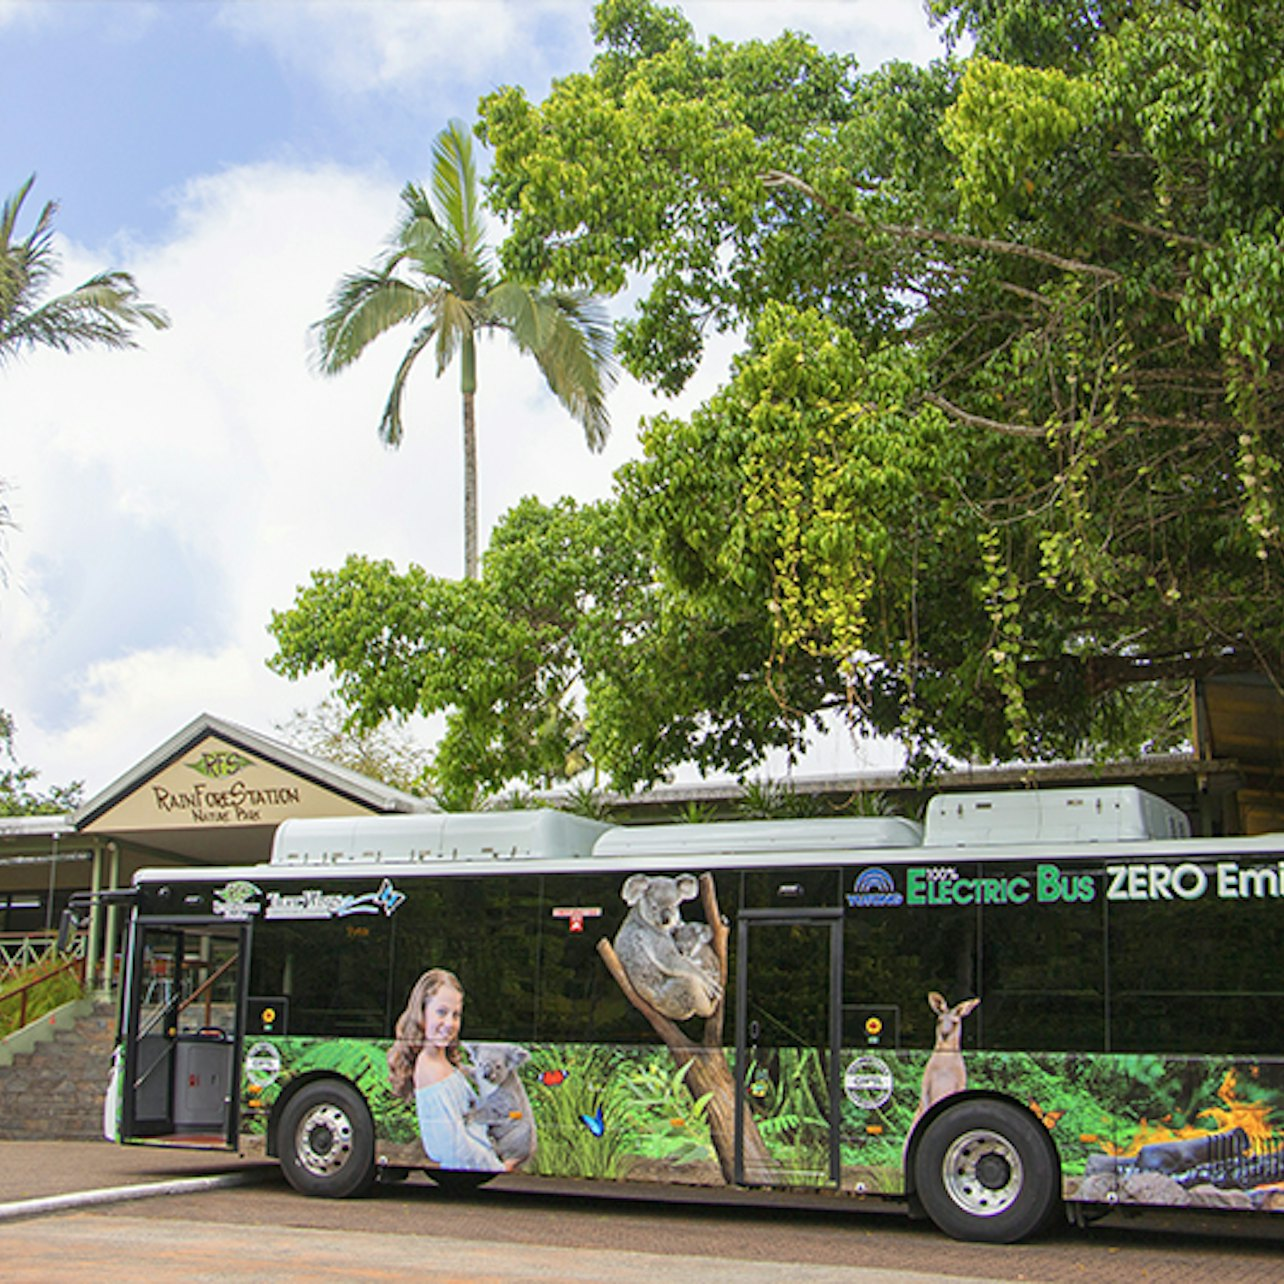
986 1171
327 1141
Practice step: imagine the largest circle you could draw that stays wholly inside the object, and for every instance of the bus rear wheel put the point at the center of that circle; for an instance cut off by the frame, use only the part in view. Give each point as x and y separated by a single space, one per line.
986 1171
327 1141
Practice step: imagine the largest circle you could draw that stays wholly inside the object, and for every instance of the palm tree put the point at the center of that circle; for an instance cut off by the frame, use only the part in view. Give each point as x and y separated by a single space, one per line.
104 311
438 274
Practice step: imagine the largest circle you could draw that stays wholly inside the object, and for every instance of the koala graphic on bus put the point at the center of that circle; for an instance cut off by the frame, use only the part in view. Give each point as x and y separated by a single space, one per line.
668 962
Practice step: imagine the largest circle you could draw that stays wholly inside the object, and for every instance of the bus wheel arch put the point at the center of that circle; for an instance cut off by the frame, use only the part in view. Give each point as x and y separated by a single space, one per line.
984 1168
323 1135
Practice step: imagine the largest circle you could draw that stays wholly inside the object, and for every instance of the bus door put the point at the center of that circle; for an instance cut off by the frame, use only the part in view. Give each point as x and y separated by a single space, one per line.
182 1033
788 1046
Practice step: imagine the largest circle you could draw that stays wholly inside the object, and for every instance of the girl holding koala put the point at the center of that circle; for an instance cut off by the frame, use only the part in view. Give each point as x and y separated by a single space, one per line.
423 1066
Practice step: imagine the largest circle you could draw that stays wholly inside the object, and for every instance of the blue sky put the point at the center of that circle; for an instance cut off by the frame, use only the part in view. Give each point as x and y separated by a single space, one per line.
142 96
237 158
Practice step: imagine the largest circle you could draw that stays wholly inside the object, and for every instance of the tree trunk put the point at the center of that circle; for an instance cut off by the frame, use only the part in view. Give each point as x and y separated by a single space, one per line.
470 488
709 1071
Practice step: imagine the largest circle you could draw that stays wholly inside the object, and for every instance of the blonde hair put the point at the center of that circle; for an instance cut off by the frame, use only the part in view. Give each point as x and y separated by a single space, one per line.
410 1031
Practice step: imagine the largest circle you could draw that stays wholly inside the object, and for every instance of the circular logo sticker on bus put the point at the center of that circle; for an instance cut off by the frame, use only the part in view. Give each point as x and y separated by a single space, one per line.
868 1082
262 1064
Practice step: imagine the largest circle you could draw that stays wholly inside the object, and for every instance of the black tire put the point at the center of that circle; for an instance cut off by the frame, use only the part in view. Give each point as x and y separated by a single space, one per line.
326 1141
985 1170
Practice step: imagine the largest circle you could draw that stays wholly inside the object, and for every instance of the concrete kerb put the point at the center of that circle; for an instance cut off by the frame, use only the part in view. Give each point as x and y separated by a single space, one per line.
119 1194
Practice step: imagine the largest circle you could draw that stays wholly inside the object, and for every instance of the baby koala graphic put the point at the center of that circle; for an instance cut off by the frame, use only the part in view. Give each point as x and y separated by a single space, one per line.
503 1107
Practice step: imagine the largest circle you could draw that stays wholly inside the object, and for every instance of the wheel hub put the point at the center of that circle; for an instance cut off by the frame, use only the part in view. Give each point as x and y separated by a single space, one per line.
324 1140
993 1171
982 1173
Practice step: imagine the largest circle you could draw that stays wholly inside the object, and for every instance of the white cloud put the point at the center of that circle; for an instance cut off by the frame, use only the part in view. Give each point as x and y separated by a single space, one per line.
358 46
876 31
172 497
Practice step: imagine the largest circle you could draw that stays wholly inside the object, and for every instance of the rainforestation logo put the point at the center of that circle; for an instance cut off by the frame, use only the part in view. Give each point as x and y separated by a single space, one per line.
239 899
219 766
874 889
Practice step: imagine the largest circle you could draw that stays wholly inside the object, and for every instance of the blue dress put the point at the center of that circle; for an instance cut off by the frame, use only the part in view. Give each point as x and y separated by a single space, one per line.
447 1139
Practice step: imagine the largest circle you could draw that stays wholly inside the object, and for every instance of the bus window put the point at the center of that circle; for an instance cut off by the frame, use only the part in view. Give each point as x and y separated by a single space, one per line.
333 974
485 931
579 1000
895 955
1193 972
1043 966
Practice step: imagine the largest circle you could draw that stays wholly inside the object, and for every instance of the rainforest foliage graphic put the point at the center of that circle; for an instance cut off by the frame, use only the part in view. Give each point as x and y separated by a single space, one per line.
615 1112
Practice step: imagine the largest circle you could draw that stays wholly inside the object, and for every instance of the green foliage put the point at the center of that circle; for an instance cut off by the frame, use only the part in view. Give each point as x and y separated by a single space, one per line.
1005 126
999 466
788 1100
645 1109
652 163
584 800
18 797
504 657
45 996
770 800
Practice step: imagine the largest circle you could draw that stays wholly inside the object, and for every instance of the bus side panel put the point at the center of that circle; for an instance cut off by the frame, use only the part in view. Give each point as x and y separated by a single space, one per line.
1128 1005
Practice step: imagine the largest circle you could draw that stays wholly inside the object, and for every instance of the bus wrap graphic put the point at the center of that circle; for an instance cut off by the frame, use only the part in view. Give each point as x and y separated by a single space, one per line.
874 889
241 900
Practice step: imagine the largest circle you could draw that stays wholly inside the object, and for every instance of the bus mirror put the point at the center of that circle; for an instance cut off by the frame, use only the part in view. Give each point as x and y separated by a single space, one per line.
69 923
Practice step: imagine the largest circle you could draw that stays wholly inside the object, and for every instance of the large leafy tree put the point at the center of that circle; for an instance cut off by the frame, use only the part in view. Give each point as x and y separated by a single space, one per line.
438 277
1002 454
1070 242
505 656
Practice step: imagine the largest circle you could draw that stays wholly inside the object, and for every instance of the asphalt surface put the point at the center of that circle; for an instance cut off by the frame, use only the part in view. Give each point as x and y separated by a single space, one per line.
49 1192
39 1170
77 1210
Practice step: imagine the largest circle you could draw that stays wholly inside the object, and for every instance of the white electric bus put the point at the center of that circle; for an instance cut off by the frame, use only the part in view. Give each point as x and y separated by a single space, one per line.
1035 1002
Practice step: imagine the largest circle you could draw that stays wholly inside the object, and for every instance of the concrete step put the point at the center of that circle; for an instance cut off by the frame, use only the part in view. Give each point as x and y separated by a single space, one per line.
53 1087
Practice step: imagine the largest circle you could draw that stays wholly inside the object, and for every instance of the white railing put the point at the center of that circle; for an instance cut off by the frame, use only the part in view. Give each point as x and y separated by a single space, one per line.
19 951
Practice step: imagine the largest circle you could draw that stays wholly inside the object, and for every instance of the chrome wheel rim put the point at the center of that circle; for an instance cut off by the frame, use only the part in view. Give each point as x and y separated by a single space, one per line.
982 1173
323 1140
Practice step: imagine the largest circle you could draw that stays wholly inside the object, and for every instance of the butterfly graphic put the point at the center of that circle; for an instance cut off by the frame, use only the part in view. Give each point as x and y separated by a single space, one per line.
594 1122
551 1078
1048 1118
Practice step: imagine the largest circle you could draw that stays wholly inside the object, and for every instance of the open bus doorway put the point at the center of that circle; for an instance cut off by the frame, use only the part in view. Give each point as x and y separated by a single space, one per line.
181 1042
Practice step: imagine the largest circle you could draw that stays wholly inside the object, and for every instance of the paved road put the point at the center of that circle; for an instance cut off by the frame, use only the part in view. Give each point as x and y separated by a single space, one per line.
518 1230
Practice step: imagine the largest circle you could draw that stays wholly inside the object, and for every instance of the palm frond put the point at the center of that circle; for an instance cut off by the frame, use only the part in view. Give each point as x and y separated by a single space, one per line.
569 335
364 306
457 323
104 312
390 428
454 185
9 211
419 236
